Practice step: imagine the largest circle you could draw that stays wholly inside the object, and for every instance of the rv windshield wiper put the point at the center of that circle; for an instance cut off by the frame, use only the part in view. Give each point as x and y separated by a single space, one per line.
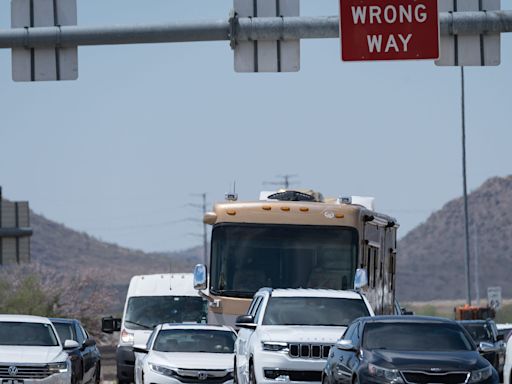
138 324
231 292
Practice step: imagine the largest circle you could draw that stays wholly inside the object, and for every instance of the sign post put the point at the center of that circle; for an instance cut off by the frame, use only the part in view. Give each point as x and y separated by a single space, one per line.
494 297
390 30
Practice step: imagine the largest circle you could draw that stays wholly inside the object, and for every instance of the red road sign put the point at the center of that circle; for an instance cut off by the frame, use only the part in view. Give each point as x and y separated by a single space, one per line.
389 29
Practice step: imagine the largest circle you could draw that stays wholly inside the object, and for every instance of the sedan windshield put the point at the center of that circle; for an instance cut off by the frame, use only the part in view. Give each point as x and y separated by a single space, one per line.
65 331
195 340
144 312
416 337
316 311
246 257
27 334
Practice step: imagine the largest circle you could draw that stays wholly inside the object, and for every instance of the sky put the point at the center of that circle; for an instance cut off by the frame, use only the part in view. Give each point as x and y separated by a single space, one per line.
122 152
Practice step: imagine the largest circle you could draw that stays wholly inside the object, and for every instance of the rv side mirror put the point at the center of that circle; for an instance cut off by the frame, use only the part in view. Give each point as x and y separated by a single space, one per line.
361 278
200 277
110 324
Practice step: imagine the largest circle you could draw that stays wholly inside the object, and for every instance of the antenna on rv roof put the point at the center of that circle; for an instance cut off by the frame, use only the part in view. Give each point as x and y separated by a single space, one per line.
232 196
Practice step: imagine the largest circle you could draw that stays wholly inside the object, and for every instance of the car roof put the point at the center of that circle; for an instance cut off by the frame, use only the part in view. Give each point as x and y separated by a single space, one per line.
25 319
307 292
168 326
63 321
406 319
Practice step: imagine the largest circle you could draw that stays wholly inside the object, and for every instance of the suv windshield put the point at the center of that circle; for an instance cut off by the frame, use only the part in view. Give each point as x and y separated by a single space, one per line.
144 312
247 257
314 311
195 340
479 332
416 337
27 334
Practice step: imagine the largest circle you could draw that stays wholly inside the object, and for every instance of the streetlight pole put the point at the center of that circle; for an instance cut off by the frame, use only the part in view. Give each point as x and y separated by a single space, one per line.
465 188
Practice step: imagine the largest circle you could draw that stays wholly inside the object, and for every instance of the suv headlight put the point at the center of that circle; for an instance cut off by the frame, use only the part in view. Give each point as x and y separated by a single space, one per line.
480 375
160 369
274 346
59 367
388 375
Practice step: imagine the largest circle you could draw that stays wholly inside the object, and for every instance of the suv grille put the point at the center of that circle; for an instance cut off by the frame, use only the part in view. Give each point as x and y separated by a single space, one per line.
435 378
310 351
25 372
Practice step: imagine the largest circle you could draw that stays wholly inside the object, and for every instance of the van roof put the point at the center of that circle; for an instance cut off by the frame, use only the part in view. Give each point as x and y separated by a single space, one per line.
164 284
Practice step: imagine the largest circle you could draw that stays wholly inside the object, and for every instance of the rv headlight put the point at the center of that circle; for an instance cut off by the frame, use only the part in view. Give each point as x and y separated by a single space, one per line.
274 346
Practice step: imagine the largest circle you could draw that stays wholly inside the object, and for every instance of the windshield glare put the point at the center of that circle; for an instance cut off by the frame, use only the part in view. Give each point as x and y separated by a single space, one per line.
316 311
195 340
27 334
144 312
246 257
415 337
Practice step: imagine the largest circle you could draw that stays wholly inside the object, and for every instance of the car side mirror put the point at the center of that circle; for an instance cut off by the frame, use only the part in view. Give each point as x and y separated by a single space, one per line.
485 347
245 321
71 344
345 345
110 325
200 277
140 350
89 343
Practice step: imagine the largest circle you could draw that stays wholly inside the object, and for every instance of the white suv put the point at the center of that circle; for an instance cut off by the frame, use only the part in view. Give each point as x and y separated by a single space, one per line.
31 352
287 334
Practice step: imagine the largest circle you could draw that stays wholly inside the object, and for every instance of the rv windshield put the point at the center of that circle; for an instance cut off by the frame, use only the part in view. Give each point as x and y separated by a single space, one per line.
246 257
144 312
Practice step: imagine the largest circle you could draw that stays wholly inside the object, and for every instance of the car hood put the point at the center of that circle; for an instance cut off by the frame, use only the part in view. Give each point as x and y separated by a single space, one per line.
443 361
31 355
300 333
189 360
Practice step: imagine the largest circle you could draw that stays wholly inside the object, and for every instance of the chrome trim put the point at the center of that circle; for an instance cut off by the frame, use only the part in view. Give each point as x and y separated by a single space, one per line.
468 375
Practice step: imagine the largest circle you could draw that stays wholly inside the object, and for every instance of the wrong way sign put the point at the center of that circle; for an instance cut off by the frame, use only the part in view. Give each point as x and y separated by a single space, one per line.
389 30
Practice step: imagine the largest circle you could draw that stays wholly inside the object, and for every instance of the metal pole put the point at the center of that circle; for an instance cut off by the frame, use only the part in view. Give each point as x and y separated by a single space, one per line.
464 182
205 236
244 29
477 272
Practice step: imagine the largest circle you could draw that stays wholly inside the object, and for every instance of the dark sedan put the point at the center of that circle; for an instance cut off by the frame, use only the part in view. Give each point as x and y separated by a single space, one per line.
86 359
486 331
406 349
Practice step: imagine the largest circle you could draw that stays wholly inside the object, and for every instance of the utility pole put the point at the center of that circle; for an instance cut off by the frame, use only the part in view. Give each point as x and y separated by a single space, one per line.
285 182
202 206
477 272
465 188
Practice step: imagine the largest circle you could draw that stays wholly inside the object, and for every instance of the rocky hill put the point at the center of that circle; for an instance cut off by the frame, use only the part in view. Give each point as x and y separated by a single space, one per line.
431 256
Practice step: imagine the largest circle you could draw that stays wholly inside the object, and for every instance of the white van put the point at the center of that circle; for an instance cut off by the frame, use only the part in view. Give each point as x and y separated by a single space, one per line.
153 300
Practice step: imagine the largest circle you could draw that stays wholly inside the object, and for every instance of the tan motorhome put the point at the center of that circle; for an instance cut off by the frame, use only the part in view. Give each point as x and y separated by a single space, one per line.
296 239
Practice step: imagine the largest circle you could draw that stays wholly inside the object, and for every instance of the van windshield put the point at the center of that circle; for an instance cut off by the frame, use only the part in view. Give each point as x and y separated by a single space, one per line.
144 312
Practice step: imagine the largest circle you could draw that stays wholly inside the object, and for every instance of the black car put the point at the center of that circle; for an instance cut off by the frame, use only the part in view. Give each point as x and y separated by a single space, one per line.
406 349
86 359
485 331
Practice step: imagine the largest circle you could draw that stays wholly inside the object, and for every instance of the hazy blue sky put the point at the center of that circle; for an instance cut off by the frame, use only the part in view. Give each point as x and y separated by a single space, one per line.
119 152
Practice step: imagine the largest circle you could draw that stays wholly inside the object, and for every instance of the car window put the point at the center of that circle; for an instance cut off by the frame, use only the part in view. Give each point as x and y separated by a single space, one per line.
349 332
255 305
151 338
416 337
355 335
195 340
27 334
479 332
65 331
81 335
314 311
